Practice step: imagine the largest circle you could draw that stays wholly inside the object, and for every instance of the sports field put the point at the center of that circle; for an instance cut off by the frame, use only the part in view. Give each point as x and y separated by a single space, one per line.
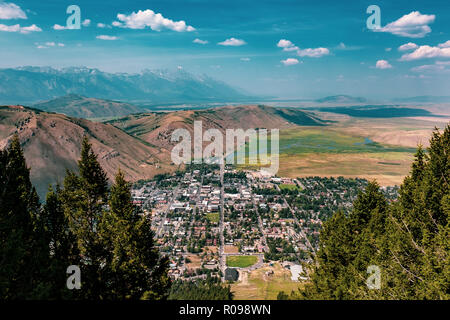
241 261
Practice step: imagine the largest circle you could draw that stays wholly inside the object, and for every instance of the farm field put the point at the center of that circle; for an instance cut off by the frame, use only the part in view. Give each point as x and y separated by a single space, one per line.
241 261
380 149
257 285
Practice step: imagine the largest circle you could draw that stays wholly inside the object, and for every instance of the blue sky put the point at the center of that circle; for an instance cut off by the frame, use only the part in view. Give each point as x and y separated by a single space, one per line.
325 48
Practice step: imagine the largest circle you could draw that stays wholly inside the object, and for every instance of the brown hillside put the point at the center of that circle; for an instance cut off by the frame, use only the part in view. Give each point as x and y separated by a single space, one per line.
157 128
52 143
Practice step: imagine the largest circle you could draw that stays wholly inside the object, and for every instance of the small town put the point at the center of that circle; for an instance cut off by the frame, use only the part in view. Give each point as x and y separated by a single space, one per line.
224 222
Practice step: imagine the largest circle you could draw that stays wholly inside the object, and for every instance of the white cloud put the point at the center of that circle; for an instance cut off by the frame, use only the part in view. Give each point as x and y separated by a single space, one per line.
199 41
48 45
314 53
59 27
18 28
310 52
86 22
11 11
105 37
422 52
101 25
388 49
383 64
412 25
283 43
290 62
446 44
408 46
287 45
245 59
148 18
438 67
233 42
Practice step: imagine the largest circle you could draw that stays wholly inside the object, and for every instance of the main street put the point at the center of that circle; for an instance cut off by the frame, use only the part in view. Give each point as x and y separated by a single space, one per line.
222 258
302 233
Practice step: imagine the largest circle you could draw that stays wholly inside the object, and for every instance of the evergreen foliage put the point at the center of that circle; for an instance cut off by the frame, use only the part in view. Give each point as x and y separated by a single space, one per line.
201 289
409 240
84 224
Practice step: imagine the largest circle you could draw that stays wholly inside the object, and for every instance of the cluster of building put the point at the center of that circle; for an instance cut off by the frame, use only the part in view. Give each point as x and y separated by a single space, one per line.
208 213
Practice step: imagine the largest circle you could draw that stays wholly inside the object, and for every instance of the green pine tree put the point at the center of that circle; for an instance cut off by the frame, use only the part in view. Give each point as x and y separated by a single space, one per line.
138 270
84 198
23 251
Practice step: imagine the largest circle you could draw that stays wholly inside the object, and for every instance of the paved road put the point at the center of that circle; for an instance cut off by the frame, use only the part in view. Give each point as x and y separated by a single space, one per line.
222 262
161 225
260 224
302 233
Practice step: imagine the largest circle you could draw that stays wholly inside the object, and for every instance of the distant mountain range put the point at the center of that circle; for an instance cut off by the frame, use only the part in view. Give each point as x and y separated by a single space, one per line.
341 99
425 99
75 105
27 85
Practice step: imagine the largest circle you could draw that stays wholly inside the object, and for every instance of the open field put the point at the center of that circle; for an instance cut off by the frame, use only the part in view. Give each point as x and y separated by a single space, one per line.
381 149
259 286
210 249
195 263
329 140
231 249
241 261
387 168
213 217
284 186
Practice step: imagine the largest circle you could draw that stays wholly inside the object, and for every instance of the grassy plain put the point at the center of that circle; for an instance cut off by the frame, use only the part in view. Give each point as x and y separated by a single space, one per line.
258 285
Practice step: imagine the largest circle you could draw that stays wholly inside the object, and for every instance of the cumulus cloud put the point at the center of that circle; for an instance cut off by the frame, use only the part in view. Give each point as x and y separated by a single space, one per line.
440 51
245 59
48 45
199 41
148 18
446 44
408 46
233 42
437 67
105 37
86 22
290 62
11 11
383 64
18 28
287 45
412 25
314 53
59 27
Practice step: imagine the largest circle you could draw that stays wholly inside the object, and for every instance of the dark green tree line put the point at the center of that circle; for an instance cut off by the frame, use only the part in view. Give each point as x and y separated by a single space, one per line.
84 223
409 240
